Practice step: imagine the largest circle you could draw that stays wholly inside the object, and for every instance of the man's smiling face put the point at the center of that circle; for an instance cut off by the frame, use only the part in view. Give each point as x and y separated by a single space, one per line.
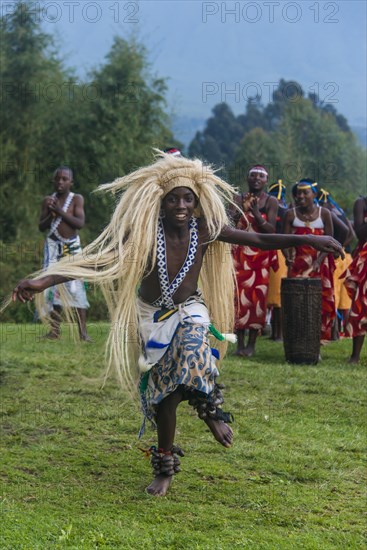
179 205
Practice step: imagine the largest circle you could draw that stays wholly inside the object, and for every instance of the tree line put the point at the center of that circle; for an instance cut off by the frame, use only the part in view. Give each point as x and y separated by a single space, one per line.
293 136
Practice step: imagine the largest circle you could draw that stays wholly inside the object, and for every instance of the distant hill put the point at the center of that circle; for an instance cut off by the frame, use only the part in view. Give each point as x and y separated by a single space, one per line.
184 129
361 133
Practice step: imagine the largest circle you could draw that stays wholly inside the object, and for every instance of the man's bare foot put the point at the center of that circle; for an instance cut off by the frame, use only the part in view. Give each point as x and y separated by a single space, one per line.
324 342
353 359
249 350
159 485
221 431
240 353
86 338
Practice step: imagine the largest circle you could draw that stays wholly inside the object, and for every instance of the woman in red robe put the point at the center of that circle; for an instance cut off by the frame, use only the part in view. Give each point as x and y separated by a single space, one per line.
307 217
252 265
356 281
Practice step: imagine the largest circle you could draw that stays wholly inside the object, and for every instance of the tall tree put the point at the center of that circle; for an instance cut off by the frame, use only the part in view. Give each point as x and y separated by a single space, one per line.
29 72
128 117
256 147
307 142
103 127
253 117
313 142
287 91
121 115
218 141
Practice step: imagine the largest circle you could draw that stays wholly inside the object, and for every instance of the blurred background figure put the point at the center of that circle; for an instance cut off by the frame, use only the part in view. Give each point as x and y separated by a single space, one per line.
307 217
277 190
252 265
344 233
173 151
62 215
356 282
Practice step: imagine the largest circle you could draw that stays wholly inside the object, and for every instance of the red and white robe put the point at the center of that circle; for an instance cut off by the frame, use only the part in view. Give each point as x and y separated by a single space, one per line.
252 266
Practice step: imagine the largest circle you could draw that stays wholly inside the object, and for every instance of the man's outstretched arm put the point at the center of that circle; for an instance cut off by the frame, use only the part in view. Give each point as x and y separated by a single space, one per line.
27 288
273 241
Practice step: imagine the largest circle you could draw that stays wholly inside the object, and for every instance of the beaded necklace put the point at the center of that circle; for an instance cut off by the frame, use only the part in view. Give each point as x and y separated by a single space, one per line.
308 217
168 289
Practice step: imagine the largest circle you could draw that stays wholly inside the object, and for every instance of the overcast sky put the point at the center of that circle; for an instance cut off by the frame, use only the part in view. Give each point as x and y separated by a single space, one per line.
226 51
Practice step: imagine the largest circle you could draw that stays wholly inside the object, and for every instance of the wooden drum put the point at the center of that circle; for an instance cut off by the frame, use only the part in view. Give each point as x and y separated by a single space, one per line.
301 318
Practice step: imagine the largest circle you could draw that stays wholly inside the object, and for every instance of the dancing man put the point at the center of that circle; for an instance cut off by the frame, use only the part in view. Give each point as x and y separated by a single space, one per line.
169 227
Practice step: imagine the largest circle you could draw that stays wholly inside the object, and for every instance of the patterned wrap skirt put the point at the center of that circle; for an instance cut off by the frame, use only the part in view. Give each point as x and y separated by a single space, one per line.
179 355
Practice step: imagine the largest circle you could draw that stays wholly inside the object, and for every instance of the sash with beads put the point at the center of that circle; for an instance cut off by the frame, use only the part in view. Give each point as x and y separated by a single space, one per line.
56 222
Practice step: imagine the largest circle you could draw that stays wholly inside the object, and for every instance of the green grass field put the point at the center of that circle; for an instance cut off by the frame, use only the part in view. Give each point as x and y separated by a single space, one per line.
73 476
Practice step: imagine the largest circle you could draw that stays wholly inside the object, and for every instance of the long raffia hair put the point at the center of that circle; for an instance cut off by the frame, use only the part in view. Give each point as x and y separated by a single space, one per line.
125 252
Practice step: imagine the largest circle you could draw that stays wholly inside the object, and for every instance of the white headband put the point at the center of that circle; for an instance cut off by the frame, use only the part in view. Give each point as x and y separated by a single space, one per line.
260 170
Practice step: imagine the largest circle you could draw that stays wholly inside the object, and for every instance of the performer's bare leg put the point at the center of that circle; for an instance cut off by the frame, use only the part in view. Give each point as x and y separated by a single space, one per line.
357 348
55 322
276 324
250 348
335 329
344 320
166 425
82 325
240 343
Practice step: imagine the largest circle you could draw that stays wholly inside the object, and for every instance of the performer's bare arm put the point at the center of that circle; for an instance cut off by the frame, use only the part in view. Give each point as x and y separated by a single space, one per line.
234 213
276 241
27 288
46 215
360 226
51 209
76 219
341 230
328 222
328 230
351 233
289 253
266 226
